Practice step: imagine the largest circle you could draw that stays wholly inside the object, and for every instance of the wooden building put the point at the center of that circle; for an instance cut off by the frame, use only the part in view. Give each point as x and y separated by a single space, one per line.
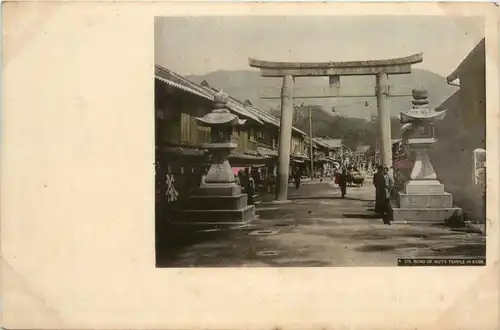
179 139
180 156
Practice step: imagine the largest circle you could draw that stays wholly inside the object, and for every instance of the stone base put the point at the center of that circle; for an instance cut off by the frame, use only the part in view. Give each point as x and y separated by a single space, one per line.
218 202
423 187
220 217
189 227
425 215
412 201
218 189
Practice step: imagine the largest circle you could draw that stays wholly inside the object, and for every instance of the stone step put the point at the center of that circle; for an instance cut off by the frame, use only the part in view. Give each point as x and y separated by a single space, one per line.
425 201
216 216
427 215
218 202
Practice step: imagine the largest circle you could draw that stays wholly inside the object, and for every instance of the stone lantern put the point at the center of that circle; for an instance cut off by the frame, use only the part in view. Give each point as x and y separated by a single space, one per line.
221 122
219 201
423 198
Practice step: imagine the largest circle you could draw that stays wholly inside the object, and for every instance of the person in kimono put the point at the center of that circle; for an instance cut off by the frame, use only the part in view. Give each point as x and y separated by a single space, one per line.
343 178
298 175
380 195
389 187
250 189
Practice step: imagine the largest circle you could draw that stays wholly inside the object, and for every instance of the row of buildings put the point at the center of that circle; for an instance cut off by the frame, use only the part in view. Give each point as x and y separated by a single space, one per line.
179 140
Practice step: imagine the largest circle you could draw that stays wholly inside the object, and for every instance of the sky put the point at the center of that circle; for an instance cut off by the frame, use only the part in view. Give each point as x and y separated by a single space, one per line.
199 45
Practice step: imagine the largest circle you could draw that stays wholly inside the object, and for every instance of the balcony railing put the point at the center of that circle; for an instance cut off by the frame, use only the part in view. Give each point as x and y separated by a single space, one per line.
252 145
265 143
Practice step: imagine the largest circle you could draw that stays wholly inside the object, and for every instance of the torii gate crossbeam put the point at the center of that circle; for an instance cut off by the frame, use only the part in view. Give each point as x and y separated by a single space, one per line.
289 70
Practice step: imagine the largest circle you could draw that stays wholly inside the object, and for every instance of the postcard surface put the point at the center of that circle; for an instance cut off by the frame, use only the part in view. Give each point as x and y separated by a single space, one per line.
223 165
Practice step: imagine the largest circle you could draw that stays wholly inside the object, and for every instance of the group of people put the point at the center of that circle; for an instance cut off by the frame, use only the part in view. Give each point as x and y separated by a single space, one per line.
382 180
342 179
384 187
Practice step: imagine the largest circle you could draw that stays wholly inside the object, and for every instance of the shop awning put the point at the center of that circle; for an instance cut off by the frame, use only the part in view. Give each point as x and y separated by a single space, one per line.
299 156
183 151
246 156
267 152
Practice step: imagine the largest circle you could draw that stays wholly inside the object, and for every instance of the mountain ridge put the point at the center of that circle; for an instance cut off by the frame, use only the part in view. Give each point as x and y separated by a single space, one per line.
247 84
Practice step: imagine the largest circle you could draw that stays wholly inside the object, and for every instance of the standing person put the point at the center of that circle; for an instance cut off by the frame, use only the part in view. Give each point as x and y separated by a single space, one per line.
246 178
389 187
242 180
379 183
343 182
250 189
297 179
204 173
272 183
337 176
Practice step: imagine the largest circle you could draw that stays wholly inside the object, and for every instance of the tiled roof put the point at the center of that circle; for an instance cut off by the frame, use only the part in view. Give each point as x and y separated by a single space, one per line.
329 143
261 114
184 88
185 151
177 80
319 142
476 56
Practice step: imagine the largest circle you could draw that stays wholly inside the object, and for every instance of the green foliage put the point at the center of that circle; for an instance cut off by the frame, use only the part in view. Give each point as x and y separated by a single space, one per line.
353 131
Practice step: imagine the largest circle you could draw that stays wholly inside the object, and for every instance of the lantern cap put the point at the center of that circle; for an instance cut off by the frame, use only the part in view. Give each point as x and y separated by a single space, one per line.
419 94
220 116
220 99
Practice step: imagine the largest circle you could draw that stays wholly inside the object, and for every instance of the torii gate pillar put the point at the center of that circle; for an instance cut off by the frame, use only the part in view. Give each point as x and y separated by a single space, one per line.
384 119
286 122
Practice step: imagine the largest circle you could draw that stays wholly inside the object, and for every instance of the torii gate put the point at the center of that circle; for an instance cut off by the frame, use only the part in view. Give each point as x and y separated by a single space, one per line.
289 70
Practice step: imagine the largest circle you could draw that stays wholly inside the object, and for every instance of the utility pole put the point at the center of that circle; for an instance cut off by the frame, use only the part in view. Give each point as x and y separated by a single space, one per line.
341 155
311 142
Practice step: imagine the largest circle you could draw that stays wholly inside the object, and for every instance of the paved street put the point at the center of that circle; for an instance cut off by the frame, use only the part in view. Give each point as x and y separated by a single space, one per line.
318 228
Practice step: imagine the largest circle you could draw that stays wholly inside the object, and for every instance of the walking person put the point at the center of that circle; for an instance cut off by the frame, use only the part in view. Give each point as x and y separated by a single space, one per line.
379 183
343 182
297 179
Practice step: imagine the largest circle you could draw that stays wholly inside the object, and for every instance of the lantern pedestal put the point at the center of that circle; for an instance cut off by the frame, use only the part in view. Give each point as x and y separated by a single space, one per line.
219 201
217 205
424 199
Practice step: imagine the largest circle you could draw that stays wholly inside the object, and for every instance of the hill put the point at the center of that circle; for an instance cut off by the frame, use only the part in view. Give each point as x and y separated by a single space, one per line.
353 131
246 85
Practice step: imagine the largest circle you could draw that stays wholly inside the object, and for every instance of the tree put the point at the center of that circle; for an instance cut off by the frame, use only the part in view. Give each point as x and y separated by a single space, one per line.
354 131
